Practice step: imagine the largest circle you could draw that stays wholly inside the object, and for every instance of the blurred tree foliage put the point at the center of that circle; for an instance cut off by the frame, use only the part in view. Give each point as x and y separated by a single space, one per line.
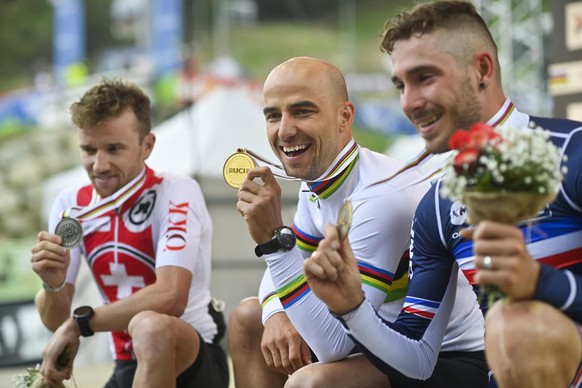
26 40
26 28
23 39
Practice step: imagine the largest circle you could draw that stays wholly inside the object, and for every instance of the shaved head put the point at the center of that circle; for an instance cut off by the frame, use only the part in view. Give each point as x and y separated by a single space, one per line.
316 71
308 115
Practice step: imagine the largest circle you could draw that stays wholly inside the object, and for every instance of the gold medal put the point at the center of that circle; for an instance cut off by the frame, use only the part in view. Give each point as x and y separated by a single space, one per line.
71 232
344 219
236 168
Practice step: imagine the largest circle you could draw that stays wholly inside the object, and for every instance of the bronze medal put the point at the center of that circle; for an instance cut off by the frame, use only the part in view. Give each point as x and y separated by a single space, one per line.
70 231
236 168
344 219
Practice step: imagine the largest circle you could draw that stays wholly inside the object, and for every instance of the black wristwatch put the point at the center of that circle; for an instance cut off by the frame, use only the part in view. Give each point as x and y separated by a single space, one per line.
283 240
82 315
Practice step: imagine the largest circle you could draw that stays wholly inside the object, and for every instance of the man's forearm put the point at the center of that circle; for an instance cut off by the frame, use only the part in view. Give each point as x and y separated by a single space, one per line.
53 307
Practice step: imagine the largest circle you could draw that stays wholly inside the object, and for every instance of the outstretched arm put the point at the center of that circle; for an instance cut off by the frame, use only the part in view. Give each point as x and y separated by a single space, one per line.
378 240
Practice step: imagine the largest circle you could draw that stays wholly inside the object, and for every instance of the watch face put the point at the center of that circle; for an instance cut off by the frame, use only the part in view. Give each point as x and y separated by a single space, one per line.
286 238
83 311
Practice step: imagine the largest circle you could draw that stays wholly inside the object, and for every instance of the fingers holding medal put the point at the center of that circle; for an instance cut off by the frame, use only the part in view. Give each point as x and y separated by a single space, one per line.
70 231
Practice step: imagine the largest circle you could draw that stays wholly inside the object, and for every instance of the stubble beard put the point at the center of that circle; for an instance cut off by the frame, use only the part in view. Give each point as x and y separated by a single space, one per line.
468 110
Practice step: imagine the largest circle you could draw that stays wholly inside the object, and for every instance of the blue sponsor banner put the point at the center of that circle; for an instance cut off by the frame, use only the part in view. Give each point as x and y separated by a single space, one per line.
166 22
383 116
18 108
68 35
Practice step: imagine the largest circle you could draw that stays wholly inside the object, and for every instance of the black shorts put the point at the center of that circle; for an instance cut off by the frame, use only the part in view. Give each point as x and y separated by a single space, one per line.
209 370
452 370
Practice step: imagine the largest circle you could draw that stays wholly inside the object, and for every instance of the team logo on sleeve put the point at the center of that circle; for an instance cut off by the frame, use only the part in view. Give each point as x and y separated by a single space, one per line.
177 226
458 213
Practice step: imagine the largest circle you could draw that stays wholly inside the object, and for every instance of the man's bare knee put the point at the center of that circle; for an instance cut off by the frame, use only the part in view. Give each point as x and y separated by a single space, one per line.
149 331
305 378
245 322
246 313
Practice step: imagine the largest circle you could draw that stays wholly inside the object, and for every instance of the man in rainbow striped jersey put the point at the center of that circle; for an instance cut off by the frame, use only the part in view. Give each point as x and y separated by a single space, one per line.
309 125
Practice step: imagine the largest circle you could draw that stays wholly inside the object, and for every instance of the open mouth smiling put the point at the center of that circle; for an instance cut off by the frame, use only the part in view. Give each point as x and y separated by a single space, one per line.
427 121
295 150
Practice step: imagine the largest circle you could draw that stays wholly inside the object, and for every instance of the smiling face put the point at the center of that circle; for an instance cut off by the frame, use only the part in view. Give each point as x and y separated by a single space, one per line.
308 116
438 93
112 153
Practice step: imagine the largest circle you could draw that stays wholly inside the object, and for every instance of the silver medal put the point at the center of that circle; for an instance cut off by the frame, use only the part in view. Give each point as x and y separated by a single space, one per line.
70 231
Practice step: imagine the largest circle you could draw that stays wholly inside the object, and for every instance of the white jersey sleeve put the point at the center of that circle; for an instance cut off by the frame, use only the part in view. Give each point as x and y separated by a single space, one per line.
183 224
379 237
270 303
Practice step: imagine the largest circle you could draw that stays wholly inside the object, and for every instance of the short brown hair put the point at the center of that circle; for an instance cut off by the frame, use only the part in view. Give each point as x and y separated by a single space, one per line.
423 18
110 98
468 31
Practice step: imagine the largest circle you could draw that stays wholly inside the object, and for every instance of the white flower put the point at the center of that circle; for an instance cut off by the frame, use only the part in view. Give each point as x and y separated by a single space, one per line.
508 159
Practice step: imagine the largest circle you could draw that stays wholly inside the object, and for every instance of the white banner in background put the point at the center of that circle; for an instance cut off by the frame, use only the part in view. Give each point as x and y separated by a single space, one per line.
573 25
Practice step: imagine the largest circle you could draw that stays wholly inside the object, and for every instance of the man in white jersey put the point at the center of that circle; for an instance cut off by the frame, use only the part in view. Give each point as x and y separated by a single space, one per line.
446 67
309 125
146 237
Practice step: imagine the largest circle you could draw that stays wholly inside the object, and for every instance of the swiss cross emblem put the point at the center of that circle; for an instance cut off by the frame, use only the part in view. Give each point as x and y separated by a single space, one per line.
119 278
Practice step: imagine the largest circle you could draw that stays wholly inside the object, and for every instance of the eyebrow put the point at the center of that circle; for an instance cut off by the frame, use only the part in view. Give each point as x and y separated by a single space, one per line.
268 109
413 71
295 105
304 104
117 144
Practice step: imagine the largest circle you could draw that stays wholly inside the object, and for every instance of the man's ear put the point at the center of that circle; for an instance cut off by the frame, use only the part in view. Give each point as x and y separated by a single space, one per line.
485 66
148 141
347 115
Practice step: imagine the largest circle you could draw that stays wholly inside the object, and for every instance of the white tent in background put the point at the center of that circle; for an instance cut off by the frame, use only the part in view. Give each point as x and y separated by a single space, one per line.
196 141
199 140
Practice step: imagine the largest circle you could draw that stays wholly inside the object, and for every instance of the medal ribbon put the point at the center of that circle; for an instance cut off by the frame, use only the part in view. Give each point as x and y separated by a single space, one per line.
100 206
414 164
337 175
344 159
424 156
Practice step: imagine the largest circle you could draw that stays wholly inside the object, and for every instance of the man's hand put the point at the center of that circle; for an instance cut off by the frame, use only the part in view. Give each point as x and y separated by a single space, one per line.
49 259
60 352
513 270
260 205
333 275
283 348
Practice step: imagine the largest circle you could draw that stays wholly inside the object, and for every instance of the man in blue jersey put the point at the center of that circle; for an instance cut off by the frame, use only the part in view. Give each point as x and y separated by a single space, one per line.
446 68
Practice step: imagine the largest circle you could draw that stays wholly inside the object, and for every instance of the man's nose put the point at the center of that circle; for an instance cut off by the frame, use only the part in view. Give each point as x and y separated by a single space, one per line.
287 127
411 100
101 161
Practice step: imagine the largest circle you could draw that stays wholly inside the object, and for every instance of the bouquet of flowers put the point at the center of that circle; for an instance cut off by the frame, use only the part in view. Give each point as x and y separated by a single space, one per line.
505 175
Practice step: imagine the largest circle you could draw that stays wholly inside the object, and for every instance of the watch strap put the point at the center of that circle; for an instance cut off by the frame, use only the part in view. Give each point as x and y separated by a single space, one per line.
83 320
283 239
270 247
